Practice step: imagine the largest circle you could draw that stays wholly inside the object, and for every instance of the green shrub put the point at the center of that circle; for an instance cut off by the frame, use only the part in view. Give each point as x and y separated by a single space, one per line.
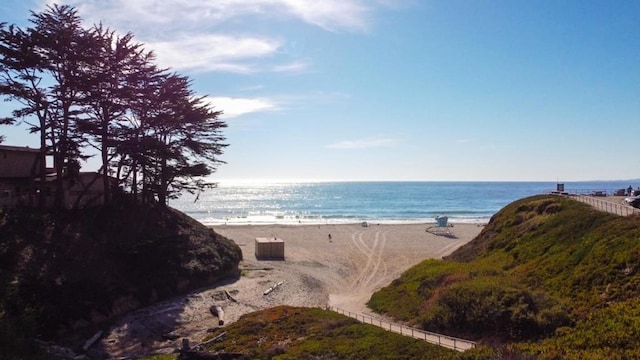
303 333
603 333
493 306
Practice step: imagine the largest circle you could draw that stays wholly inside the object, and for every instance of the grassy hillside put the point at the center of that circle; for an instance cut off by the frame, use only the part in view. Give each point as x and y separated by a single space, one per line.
308 333
71 270
545 267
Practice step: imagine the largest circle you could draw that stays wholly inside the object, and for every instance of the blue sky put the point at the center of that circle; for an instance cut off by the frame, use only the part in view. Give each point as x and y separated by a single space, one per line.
399 90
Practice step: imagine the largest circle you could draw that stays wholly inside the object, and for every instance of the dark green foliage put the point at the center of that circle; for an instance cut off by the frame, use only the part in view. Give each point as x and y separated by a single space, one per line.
414 288
87 88
540 266
492 305
611 333
68 269
16 333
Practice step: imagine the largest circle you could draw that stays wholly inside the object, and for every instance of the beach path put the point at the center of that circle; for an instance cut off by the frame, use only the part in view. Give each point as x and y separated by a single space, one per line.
325 265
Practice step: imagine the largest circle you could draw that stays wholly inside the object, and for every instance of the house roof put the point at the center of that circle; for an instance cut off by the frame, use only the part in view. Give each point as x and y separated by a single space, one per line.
19 148
83 174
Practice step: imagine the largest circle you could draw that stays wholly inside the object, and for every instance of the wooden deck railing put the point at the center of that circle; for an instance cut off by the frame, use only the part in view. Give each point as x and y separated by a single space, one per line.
433 338
608 206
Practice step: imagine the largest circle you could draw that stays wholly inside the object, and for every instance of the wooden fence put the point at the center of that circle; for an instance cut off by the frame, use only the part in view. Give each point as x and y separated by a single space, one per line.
433 338
608 206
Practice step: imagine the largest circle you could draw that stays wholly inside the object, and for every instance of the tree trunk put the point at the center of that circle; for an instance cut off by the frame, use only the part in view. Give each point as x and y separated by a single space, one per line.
63 154
162 188
105 164
43 165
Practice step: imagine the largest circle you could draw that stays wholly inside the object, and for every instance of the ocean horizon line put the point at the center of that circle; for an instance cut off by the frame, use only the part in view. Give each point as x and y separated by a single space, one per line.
375 202
369 222
323 181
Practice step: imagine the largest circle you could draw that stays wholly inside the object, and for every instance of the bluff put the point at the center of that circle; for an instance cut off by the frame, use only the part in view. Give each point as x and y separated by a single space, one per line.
548 276
72 269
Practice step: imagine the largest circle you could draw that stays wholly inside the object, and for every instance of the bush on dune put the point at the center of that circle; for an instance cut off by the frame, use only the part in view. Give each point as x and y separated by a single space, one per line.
496 306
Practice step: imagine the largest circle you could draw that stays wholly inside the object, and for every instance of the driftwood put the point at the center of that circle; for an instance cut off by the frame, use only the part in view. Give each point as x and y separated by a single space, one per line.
269 290
211 341
171 336
91 340
230 297
217 310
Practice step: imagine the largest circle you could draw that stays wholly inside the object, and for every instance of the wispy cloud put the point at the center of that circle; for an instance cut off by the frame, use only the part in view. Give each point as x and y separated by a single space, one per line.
333 15
330 15
292 67
363 143
210 52
193 35
234 107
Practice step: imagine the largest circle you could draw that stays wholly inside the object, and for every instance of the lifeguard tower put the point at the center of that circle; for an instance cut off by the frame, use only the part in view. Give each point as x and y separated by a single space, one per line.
441 227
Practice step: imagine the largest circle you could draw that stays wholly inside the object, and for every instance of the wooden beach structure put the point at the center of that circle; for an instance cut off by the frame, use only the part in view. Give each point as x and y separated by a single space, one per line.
269 248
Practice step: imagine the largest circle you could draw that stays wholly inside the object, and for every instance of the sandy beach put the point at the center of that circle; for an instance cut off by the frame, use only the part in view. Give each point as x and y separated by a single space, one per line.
337 265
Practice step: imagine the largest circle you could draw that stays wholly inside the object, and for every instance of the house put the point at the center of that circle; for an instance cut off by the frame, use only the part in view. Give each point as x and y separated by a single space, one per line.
19 166
20 181
85 189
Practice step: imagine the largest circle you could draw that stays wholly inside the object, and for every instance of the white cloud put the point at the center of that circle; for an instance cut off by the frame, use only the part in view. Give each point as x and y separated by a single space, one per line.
188 34
209 52
234 107
331 15
297 66
363 143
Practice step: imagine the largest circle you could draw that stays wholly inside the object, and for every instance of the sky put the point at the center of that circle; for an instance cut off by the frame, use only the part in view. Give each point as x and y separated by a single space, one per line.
433 90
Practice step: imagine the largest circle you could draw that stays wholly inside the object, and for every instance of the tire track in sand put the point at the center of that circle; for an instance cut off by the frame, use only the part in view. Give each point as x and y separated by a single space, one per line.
373 257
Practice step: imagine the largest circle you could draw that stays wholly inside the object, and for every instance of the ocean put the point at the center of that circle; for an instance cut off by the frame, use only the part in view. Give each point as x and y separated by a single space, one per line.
373 202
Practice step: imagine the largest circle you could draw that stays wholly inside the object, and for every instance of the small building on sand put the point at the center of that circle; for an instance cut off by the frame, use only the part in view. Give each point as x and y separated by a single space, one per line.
269 248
